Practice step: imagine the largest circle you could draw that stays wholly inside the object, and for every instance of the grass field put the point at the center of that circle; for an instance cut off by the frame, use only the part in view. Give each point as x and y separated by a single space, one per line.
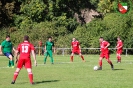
78 74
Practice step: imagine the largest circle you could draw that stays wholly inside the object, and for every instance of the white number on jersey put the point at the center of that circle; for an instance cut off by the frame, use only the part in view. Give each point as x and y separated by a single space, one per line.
24 49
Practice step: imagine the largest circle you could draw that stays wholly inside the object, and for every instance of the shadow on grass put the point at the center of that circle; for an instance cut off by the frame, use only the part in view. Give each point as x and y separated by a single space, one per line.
48 81
118 69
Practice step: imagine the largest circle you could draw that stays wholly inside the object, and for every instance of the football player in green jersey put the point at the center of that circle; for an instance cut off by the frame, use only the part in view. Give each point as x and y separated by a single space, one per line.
6 48
49 46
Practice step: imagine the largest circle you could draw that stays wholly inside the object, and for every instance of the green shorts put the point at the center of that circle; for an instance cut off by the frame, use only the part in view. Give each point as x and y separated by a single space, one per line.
48 53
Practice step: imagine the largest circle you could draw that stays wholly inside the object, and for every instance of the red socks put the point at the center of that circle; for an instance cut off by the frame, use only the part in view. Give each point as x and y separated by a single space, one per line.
118 58
82 57
110 63
15 76
100 63
30 77
71 59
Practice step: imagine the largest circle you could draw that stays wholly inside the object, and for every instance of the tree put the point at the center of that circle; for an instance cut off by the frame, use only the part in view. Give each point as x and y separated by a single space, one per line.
106 6
6 12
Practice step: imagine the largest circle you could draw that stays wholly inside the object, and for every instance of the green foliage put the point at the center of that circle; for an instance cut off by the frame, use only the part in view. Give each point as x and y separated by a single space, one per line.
112 26
105 6
42 18
34 10
6 12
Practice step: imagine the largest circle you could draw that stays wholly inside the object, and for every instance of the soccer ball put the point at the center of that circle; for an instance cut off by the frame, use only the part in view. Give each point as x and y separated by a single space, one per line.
95 68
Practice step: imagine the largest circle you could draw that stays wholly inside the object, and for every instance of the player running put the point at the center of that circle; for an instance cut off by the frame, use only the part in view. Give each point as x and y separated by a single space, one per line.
24 49
75 48
6 48
49 45
119 49
104 53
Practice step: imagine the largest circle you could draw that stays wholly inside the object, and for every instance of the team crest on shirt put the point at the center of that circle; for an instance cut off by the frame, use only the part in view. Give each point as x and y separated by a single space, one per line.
123 6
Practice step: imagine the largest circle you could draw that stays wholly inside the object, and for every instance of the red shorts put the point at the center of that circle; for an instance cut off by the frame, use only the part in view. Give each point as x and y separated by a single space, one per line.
104 55
24 62
76 51
119 51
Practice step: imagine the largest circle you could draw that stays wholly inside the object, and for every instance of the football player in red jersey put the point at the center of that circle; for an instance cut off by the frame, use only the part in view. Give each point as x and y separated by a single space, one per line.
104 53
24 49
119 49
75 48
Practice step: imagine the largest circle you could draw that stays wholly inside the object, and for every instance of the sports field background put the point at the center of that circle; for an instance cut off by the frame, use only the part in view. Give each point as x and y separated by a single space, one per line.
64 74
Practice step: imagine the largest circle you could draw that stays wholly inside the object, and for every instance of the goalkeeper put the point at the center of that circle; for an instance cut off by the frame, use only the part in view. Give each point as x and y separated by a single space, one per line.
49 45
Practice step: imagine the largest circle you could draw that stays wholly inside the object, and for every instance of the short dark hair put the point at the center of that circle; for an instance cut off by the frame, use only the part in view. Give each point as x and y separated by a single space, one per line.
26 37
101 37
118 36
49 37
7 36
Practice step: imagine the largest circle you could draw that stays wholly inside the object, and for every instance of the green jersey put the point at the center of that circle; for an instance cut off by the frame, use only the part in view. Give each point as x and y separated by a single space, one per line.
49 45
6 46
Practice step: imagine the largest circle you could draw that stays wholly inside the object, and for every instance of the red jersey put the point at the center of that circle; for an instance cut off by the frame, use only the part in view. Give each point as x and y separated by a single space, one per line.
75 45
24 49
103 45
119 44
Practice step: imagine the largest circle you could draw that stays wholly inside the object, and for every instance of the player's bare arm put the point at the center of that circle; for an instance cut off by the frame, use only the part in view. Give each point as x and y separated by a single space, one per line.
80 48
54 48
14 49
120 47
117 45
45 49
17 56
0 49
34 57
107 45
71 48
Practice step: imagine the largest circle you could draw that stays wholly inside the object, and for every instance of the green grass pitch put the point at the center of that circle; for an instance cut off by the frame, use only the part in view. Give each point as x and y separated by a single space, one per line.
78 74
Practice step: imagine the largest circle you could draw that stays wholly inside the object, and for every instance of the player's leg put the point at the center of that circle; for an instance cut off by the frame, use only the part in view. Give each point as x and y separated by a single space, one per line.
45 57
19 66
82 57
100 60
11 60
71 57
100 63
30 74
119 56
51 56
109 61
9 64
29 70
15 75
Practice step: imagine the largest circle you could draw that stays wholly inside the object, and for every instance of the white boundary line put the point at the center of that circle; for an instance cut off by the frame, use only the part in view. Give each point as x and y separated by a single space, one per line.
47 65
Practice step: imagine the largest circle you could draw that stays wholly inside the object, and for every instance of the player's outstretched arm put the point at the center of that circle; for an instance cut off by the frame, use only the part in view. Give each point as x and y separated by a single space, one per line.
34 57
121 45
14 49
0 49
17 56
54 49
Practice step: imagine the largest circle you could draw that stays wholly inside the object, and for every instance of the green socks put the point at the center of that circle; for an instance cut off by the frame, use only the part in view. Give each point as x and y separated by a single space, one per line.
12 63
